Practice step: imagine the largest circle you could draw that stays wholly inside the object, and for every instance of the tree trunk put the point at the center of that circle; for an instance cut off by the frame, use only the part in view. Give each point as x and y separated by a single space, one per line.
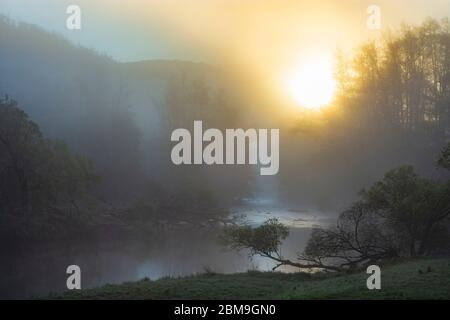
25 196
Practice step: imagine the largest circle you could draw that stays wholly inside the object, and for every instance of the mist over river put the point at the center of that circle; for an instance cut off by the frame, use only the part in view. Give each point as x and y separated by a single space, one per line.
39 269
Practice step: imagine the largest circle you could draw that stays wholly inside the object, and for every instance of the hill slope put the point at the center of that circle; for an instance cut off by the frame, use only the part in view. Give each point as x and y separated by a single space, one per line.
419 279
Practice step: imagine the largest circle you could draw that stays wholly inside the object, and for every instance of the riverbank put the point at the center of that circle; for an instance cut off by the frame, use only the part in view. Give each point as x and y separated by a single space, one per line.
114 255
416 279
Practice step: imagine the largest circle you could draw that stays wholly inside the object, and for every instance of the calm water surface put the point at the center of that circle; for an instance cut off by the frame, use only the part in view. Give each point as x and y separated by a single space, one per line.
40 269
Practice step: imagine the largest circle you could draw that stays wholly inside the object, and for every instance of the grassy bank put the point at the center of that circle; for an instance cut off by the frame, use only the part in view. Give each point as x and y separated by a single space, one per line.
418 279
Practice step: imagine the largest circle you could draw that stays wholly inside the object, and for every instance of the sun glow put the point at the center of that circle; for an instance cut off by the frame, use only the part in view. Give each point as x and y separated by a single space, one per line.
311 83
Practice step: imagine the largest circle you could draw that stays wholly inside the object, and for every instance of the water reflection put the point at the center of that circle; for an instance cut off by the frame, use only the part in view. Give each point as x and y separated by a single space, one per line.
36 270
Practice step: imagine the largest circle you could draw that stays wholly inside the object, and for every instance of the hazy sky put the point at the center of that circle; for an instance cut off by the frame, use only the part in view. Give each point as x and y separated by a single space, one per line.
130 30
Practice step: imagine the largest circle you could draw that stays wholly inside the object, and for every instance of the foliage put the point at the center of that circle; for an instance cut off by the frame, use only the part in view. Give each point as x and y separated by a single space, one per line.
37 173
402 83
401 215
83 97
392 107
412 207
264 240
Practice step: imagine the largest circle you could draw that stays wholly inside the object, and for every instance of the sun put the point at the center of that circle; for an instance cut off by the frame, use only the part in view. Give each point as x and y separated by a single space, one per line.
310 83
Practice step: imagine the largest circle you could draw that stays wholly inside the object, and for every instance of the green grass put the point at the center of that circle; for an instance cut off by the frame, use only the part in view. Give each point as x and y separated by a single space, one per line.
398 281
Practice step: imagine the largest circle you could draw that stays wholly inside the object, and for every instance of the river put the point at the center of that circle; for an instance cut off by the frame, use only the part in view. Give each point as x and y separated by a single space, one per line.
38 270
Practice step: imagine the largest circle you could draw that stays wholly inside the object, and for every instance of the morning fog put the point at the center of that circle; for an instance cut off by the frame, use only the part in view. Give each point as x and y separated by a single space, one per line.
241 147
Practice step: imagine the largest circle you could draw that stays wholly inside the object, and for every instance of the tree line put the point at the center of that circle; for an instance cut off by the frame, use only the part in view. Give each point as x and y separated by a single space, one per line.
401 83
392 106
47 190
